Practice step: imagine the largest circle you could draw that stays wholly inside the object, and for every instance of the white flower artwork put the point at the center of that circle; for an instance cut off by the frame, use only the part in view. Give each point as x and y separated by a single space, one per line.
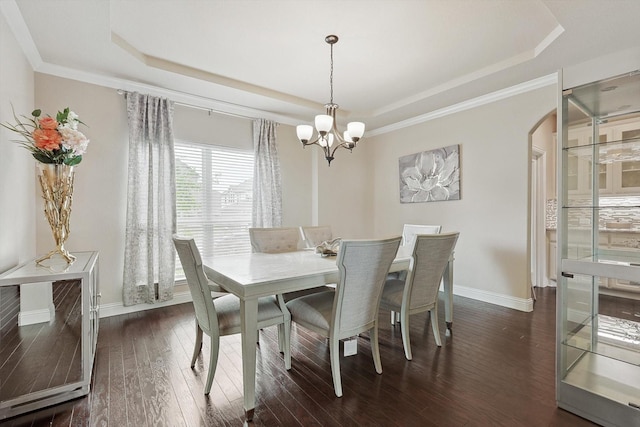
430 176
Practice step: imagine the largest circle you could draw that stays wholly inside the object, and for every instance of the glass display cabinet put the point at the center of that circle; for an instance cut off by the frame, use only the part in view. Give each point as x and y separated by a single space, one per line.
598 269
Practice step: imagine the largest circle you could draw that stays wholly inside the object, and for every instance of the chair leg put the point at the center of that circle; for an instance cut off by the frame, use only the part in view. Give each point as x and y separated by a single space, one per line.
286 343
393 317
213 362
433 316
404 327
375 348
281 332
334 353
198 346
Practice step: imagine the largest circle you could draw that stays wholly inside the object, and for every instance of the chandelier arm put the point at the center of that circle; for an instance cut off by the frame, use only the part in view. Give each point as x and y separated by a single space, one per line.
336 133
314 142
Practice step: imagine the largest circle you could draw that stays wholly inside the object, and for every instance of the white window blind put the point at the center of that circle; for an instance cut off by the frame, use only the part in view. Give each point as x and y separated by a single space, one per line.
213 198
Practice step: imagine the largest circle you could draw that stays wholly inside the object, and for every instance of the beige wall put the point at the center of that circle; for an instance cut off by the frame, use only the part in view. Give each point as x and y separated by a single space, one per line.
17 167
345 192
491 254
99 202
297 188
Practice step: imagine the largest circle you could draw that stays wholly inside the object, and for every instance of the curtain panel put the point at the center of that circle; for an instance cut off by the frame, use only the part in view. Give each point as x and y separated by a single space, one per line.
267 183
149 259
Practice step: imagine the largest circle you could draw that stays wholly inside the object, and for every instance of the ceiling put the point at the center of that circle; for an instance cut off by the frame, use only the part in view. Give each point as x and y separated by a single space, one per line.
395 60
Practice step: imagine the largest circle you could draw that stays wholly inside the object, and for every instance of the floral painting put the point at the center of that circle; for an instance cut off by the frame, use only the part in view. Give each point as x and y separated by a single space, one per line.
430 176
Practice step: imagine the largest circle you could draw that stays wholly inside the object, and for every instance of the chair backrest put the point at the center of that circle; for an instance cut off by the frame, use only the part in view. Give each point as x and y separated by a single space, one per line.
363 266
430 256
313 236
197 281
275 240
409 232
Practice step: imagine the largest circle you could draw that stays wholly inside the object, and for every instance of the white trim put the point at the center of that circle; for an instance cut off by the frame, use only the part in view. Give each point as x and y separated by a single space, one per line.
11 12
539 157
209 103
32 317
521 304
551 37
518 89
174 95
117 308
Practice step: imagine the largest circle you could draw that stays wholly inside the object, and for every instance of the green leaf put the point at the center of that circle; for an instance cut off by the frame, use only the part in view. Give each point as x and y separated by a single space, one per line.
62 116
73 161
43 158
36 113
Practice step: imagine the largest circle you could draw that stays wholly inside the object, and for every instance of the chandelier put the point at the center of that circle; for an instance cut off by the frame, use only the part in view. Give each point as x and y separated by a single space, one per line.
329 138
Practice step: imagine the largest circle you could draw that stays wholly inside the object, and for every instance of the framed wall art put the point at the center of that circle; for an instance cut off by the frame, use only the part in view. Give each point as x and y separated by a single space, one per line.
430 176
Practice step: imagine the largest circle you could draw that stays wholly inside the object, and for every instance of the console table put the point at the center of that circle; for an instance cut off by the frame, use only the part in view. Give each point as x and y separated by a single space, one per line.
43 363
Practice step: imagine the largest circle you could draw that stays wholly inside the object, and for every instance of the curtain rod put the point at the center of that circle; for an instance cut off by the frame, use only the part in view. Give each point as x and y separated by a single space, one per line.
198 107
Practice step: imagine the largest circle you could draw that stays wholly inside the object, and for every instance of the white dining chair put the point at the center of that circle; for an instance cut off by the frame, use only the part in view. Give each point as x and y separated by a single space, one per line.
353 307
315 235
280 240
419 292
275 240
409 232
221 316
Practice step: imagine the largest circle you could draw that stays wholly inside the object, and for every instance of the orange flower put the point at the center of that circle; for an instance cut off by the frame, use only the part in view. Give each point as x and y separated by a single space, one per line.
48 123
47 139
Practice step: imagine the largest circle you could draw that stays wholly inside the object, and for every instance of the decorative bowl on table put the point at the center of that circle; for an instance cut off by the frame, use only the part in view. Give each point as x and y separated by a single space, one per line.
329 247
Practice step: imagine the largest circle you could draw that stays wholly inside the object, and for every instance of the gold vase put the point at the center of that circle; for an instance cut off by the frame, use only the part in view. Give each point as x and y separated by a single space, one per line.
56 182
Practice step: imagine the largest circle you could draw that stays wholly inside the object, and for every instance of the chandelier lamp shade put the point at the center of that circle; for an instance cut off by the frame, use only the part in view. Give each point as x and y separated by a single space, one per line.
328 137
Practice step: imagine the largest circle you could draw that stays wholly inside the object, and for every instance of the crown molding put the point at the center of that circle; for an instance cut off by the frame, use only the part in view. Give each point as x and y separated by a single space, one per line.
181 97
247 112
469 104
13 16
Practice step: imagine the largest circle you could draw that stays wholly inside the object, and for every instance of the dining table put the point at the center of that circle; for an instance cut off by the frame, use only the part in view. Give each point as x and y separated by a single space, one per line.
254 275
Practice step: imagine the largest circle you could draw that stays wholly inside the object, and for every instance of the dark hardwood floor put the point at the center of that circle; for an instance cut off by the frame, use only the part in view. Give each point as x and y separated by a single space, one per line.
498 369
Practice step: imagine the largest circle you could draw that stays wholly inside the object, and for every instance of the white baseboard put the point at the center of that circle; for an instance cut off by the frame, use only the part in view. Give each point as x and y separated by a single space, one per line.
521 304
117 308
32 317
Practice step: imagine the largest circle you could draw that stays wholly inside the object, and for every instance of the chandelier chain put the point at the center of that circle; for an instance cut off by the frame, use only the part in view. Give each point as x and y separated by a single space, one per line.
331 76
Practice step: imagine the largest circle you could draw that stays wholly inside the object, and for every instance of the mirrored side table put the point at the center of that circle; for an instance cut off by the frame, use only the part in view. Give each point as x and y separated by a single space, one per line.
49 318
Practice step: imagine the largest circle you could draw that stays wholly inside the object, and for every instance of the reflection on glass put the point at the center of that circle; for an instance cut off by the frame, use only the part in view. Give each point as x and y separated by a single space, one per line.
42 355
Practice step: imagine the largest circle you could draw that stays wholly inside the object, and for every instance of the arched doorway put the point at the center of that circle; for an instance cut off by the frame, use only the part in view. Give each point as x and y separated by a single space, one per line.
542 193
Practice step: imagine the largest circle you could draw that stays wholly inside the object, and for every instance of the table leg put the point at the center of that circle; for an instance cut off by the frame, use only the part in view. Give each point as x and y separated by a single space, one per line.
448 294
249 330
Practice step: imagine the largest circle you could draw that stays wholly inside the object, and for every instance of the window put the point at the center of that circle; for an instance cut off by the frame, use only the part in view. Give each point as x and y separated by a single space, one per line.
214 198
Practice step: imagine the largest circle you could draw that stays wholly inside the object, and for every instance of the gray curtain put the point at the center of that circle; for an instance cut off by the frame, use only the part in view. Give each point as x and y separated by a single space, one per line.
267 184
149 258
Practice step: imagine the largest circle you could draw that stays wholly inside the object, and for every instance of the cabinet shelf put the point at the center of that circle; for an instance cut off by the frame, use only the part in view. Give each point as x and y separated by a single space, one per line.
601 207
610 151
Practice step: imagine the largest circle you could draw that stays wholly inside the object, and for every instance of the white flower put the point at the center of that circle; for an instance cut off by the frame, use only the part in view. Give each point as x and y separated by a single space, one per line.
74 140
71 122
